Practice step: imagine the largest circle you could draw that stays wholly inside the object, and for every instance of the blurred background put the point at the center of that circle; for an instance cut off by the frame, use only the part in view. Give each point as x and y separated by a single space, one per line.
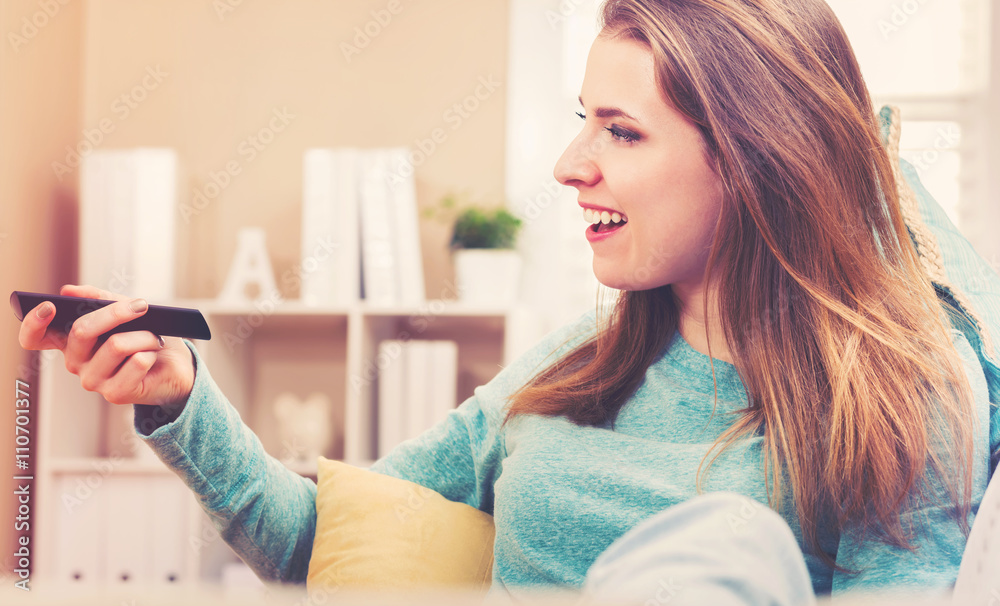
207 78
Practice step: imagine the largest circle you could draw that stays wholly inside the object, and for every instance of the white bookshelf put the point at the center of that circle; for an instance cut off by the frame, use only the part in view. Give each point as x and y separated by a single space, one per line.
293 347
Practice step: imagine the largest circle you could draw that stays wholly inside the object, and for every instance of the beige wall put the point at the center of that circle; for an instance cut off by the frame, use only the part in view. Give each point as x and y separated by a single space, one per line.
40 108
226 75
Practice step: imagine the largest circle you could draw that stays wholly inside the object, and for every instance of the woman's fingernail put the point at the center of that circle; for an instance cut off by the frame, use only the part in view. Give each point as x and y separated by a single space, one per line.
162 342
138 305
44 311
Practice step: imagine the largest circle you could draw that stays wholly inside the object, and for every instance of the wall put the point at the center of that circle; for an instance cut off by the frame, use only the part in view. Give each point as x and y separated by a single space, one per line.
208 80
40 74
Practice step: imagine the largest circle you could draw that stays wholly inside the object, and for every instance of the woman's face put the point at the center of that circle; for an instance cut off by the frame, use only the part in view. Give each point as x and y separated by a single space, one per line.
639 157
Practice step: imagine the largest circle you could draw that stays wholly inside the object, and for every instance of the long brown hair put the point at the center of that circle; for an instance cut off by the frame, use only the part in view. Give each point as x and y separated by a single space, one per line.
838 337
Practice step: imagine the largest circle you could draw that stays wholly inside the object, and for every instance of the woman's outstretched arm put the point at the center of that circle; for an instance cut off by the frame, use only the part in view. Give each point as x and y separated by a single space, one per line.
263 510
267 513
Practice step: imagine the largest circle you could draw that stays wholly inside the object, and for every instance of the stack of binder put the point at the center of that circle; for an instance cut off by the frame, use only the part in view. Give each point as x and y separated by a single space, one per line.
364 203
416 388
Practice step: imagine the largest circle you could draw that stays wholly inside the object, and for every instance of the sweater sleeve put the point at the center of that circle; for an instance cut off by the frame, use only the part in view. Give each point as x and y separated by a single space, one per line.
264 511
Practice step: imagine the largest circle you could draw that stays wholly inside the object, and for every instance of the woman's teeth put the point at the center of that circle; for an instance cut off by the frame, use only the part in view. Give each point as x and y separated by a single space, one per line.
594 217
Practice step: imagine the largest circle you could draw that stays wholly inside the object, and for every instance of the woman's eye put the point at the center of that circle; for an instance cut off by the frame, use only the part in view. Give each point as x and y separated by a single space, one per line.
618 133
621 134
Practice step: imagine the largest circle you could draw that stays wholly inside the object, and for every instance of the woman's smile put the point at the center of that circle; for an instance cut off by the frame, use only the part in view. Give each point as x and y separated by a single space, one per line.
603 222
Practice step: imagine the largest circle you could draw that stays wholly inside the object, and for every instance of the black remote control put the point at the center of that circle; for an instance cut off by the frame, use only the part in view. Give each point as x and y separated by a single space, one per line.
158 319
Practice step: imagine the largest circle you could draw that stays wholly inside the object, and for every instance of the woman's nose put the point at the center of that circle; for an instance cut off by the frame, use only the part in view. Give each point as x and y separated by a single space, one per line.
577 167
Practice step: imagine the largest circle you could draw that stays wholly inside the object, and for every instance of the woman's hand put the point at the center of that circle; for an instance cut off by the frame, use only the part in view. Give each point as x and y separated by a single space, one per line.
134 367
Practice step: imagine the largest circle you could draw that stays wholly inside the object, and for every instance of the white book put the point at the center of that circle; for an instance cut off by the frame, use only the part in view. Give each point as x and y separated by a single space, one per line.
391 395
444 380
378 247
319 214
170 510
417 368
156 212
330 257
350 252
126 500
128 206
97 252
80 538
403 196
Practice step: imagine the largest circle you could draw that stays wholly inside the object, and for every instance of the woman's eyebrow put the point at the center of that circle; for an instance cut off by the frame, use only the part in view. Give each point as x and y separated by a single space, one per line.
610 112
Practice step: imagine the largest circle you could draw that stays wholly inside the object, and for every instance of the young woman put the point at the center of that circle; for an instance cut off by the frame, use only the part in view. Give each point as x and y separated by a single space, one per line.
777 335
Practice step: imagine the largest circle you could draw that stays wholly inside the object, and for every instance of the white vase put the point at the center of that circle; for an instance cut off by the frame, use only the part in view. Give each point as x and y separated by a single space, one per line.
487 276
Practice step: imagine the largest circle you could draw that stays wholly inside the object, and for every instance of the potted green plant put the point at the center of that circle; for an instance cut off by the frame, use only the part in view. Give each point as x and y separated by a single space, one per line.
487 266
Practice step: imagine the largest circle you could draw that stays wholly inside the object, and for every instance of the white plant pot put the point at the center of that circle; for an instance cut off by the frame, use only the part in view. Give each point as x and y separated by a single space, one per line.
485 276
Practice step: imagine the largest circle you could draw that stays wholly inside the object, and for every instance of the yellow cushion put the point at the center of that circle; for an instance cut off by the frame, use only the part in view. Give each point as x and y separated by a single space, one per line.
375 531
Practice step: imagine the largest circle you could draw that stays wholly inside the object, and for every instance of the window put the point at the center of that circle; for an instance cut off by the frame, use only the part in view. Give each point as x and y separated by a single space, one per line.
931 60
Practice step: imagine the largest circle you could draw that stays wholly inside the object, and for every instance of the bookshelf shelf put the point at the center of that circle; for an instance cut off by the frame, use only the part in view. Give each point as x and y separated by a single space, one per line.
431 308
98 465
